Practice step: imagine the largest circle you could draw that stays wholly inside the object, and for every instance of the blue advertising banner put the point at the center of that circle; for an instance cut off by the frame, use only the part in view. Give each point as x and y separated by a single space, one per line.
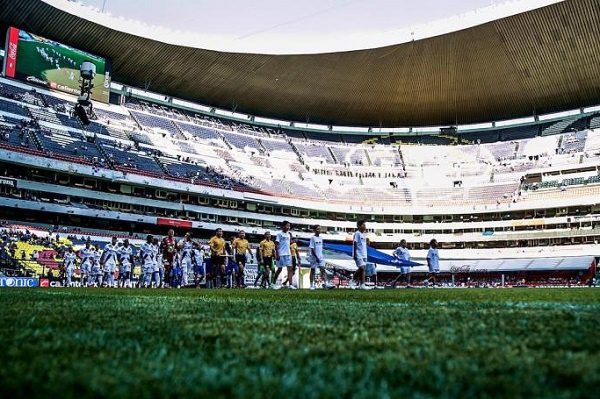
19 282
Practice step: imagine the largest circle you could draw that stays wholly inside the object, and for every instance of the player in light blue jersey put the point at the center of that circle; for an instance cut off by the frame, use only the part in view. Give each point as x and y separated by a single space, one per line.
198 263
69 265
109 262
317 259
86 254
96 270
401 253
185 247
126 256
147 255
433 261
360 243
283 254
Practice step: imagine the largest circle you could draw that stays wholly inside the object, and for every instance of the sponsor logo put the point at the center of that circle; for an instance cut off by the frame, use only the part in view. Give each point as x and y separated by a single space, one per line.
44 283
11 57
19 282
33 79
7 181
466 269
12 51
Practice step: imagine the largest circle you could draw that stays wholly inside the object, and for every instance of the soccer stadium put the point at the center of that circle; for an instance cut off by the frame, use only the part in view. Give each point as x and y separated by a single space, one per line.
411 213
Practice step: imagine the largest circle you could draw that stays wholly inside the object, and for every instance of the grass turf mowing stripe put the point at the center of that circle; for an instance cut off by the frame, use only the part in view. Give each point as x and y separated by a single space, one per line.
230 343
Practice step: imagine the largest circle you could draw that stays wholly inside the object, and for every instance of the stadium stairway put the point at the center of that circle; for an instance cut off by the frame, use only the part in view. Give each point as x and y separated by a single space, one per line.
297 152
137 122
263 150
225 141
333 155
33 137
180 135
368 157
104 154
161 165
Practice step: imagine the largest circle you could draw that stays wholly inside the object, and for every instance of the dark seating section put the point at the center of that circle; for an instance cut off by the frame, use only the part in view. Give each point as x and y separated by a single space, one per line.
151 121
131 159
241 141
67 143
201 132
573 142
276 145
20 94
13 108
16 137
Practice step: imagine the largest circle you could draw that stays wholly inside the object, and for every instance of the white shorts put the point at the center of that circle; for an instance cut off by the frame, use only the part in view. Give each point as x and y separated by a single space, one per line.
314 263
361 263
285 261
435 269
405 269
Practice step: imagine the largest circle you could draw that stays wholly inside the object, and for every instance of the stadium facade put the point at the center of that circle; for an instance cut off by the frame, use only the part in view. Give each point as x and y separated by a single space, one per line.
498 196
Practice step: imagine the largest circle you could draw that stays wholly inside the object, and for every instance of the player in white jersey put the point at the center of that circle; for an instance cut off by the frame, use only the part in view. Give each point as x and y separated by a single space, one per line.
283 254
69 265
360 243
317 259
401 253
433 261
96 270
186 246
126 256
158 270
86 255
198 262
109 262
147 255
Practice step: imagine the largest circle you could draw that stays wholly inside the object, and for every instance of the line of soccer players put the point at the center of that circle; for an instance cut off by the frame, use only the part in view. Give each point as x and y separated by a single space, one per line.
169 263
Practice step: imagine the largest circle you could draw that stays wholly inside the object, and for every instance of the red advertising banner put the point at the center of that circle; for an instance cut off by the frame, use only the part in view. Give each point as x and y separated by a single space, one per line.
11 52
174 222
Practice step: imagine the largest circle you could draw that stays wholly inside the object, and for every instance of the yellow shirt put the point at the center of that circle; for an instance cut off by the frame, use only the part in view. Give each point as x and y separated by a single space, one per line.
267 248
241 246
217 245
294 249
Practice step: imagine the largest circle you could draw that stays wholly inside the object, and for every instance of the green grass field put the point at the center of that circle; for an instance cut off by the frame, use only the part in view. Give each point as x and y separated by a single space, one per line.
76 343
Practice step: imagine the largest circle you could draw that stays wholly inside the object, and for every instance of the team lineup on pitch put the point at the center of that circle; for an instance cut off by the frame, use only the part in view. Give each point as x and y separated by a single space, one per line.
299 199
170 262
299 344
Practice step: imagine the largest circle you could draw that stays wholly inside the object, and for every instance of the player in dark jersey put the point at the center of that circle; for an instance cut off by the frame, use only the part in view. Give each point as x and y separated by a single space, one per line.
168 248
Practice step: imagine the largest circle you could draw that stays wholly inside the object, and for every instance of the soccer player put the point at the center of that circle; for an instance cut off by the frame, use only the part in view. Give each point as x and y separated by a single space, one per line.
69 265
185 246
267 252
296 260
218 255
125 254
198 262
241 250
168 249
283 254
433 261
359 252
109 261
147 256
87 259
96 268
176 272
401 253
159 264
317 260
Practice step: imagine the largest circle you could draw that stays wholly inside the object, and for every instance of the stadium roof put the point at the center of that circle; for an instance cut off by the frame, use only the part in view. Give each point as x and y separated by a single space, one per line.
539 61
